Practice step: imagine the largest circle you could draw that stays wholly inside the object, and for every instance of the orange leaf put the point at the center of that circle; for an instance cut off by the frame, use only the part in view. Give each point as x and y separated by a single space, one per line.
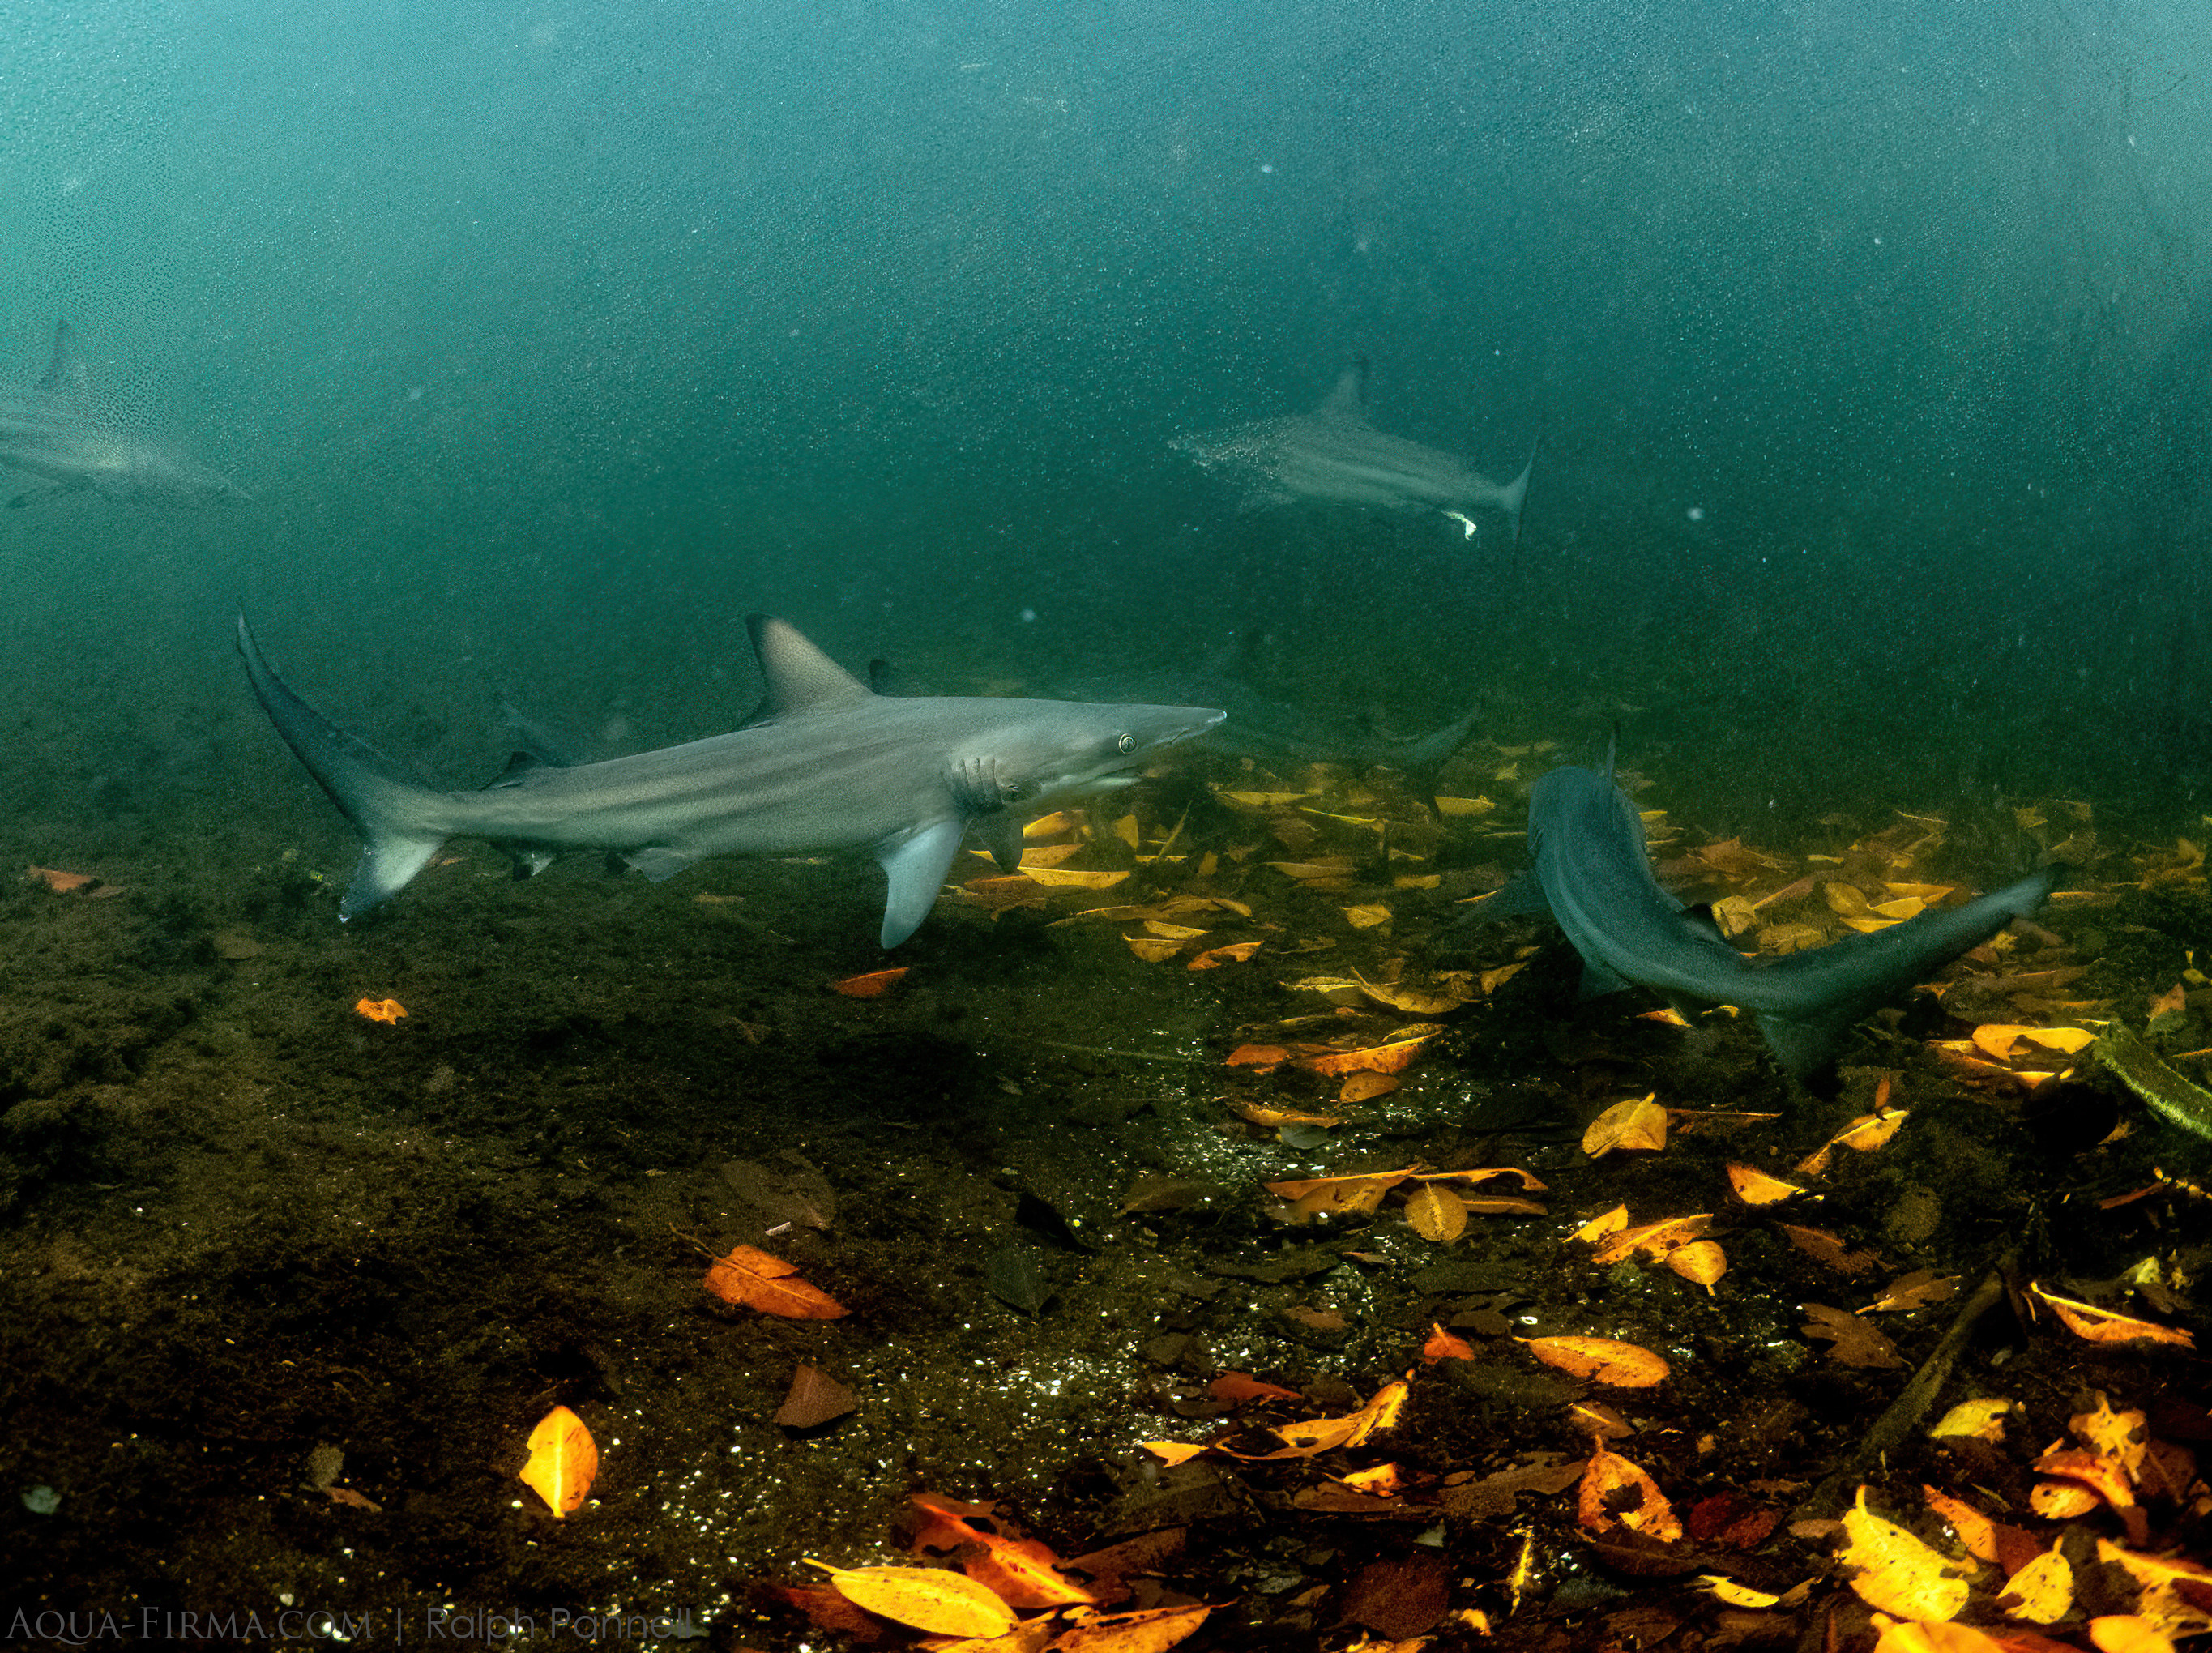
562 1461
2095 1325
1309 1440
1173 1452
1639 1126
1602 1360
1021 1571
928 1598
1365 1087
1755 1187
1975 1530
1237 1388
1152 1630
60 882
1600 1504
1261 1056
1236 953
1300 1187
2172 1002
1392 1057
753 1279
871 986
1893 1570
1612 1222
387 1010
1442 1346
1917 1290
1271 1117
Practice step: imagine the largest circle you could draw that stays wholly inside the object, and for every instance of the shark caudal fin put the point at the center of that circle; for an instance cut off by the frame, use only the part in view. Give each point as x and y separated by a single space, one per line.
1511 496
403 821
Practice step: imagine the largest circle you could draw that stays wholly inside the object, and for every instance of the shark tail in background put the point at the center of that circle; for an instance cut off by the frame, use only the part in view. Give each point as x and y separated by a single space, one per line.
403 821
1424 759
1510 496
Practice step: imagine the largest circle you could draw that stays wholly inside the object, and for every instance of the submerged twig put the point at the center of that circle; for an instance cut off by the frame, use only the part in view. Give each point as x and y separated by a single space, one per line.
1133 1056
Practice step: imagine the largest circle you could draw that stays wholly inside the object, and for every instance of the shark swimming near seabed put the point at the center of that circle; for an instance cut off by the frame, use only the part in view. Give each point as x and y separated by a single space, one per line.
825 763
1593 876
1335 454
60 429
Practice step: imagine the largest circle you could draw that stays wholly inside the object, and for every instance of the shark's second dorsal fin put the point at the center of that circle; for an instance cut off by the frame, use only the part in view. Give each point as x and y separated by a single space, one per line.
800 677
1349 399
65 375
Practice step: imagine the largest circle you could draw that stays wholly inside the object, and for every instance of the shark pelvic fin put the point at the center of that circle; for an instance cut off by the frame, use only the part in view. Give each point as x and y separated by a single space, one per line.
915 863
800 677
1515 493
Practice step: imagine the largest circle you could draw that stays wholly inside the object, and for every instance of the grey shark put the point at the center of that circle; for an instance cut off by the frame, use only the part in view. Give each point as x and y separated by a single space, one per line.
1335 454
1592 874
60 430
825 764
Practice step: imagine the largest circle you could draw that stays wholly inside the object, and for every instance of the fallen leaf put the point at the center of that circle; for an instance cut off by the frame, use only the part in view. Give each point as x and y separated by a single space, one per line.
60 882
1639 1126
1600 1418
752 1278
931 1599
562 1461
1854 1342
815 1397
1617 1493
1436 1213
2095 1325
1601 1359
1917 1290
1320 1435
1261 1056
1702 1262
873 985
1367 917
1260 1114
1612 1222
1023 1572
1755 1187
1894 1571
1442 1346
1237 1388
1067 877
1365 1086
1824 1247
2174 1001
1236 953
1980 1420
1153 1631
1653 1240
1153 949
1392 1056
388 1011
1492 980
1173 1452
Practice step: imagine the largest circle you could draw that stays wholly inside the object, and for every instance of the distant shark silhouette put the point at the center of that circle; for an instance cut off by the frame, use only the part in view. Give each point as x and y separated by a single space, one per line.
57 429
1334 454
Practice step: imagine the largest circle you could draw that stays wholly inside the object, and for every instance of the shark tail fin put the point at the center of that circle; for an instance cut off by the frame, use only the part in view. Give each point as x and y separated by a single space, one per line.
1510 497
403 821
1425 758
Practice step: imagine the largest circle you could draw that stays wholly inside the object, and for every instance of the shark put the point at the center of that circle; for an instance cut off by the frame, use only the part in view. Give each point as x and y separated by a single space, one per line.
824 763
1593 875
1335 454
60 430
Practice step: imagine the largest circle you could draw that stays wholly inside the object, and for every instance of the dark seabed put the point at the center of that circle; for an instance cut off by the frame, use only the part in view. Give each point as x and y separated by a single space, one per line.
1870 360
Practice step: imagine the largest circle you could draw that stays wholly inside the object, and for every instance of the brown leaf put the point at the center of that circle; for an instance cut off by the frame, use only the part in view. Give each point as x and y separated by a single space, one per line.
1153 1631
1237 1388
1824 1247
1617 1493
815 1397
1854 1342
752 1278
1917 1290
1236 953
1442 1346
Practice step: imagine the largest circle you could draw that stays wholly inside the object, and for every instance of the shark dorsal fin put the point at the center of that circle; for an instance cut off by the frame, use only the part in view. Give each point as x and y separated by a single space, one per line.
800 677
1349 399
65 375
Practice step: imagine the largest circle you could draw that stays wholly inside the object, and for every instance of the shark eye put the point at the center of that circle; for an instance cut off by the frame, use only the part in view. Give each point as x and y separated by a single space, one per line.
1127 744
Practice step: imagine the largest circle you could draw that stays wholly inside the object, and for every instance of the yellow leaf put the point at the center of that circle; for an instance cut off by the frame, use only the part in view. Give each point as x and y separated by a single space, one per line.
1068 878
1336 866
1980 1420
1602 1507
1894 1571
1913 1636
1269 800
1045 825
1493 979
1455 806
1612 1222
943 1603
1154 1630
1639 1126
1172 1452
1437 1213
1654 1239
1151 948
1702 1262
1365 1087
1367 917
1173 932
1736 1596
2095 1325
562 1461
2042 1592
1126 830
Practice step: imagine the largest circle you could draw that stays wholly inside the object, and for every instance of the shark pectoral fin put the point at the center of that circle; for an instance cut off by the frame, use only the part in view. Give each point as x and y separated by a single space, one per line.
1599 980
1521 896
915 863
524 861
390 860
1803 1047
658 861
1000 833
